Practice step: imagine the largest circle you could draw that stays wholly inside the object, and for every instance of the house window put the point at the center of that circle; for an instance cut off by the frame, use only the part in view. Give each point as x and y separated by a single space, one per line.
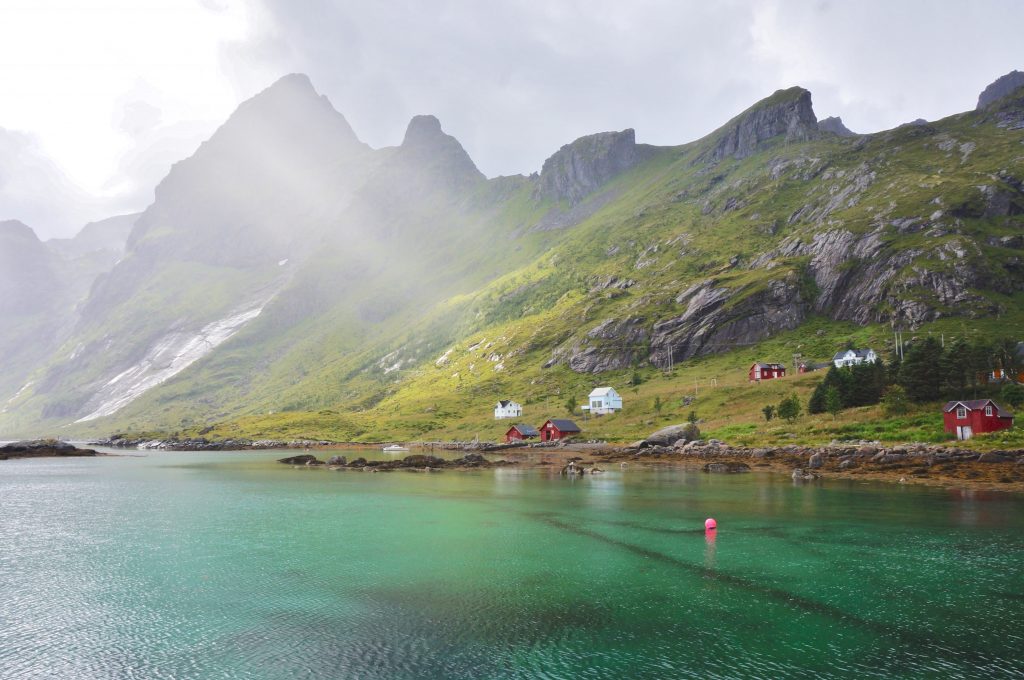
961 412
988 410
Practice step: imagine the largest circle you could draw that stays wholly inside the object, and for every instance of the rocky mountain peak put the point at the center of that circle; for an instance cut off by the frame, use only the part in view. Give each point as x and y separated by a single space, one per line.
999 88
578 169
834 124
787 112
423 130
426 148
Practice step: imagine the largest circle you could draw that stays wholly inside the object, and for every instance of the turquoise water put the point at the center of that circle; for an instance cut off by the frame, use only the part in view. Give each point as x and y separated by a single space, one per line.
227 565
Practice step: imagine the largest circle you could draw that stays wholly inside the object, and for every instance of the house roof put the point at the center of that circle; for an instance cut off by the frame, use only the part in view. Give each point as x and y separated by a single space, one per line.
976 405
859 353
564 425
525 430
762 365
505 402
601 391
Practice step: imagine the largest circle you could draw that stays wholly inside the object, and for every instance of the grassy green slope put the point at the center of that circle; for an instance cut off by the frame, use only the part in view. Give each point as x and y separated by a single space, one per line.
667 230
502 302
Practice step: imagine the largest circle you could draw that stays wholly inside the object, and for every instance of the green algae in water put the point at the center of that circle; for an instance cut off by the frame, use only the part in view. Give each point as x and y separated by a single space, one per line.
228 565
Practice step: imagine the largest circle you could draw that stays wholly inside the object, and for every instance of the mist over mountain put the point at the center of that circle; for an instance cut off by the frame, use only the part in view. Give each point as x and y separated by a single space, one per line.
287 267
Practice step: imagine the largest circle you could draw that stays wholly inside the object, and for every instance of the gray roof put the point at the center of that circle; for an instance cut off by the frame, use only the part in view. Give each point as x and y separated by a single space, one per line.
976 405
526 430
565 425
776 366
859 353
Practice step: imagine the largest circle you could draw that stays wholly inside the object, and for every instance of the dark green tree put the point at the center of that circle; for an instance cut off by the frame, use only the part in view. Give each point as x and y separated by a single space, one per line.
570 404
657 404
1013 394
920 374
833 404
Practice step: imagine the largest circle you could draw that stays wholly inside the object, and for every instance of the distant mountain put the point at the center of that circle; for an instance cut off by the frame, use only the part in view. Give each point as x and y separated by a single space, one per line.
106 236
288 278
834 124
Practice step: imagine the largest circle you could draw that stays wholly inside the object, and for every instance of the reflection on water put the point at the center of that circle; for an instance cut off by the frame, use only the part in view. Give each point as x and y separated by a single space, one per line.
229 565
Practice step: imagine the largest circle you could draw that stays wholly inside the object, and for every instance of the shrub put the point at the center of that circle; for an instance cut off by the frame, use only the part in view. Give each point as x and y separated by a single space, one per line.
769 412
895 402
789 408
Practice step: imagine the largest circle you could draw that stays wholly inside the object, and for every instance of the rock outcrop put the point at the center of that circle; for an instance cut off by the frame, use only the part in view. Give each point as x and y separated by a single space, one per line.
1000 88
719 318
672 435
43 448
786 113
834 124
578 169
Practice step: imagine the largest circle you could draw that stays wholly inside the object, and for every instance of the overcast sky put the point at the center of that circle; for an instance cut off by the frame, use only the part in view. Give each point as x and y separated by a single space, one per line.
99 97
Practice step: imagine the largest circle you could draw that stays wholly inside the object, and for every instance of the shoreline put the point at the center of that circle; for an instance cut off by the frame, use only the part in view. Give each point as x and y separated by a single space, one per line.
918 464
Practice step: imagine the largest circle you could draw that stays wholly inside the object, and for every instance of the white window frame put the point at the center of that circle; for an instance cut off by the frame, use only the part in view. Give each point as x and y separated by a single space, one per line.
961 413
988 410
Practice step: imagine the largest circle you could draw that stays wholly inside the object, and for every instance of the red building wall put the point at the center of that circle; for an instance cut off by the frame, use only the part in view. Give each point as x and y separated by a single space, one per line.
976 420
767 373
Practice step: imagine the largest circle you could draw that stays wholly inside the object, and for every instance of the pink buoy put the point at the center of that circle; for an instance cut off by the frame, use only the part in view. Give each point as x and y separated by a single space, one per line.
710 524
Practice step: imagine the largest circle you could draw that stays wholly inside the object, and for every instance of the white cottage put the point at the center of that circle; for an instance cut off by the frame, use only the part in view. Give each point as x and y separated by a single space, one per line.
603 400
507 408
852 357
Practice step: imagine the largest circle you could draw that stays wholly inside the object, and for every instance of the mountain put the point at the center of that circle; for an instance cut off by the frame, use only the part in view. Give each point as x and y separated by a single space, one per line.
834 124
289 280
1000 88
38 293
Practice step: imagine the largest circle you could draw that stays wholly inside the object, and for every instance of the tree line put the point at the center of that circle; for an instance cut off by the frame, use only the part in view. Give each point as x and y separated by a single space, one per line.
928 372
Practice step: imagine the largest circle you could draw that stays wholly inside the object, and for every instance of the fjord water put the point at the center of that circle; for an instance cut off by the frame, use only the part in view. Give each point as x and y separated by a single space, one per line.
228 565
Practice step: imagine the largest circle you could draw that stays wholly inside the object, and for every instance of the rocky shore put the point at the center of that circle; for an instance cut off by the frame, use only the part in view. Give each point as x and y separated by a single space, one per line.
417 462
904 463
202 444
43 448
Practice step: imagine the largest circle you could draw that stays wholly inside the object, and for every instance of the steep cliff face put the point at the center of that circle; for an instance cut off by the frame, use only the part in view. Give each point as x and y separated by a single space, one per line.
1000 88
577 170
786 113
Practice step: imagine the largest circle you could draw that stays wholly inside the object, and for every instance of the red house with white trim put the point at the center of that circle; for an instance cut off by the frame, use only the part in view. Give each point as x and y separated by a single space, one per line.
558 428
520 432
761 371
968 418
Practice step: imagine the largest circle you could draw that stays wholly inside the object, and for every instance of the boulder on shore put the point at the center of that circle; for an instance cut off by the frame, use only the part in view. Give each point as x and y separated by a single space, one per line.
668 436
301 459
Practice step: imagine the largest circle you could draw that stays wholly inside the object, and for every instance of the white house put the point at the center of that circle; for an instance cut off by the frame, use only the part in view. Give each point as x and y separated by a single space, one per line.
603 400
508 409
852 357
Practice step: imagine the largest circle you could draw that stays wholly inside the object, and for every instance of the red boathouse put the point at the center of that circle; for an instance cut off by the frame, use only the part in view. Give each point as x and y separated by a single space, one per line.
520 432
558 428
968 418
761 371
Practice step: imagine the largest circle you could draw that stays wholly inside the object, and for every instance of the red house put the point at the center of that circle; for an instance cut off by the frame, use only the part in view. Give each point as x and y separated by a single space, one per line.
761 371
557 428
519 433
968 418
